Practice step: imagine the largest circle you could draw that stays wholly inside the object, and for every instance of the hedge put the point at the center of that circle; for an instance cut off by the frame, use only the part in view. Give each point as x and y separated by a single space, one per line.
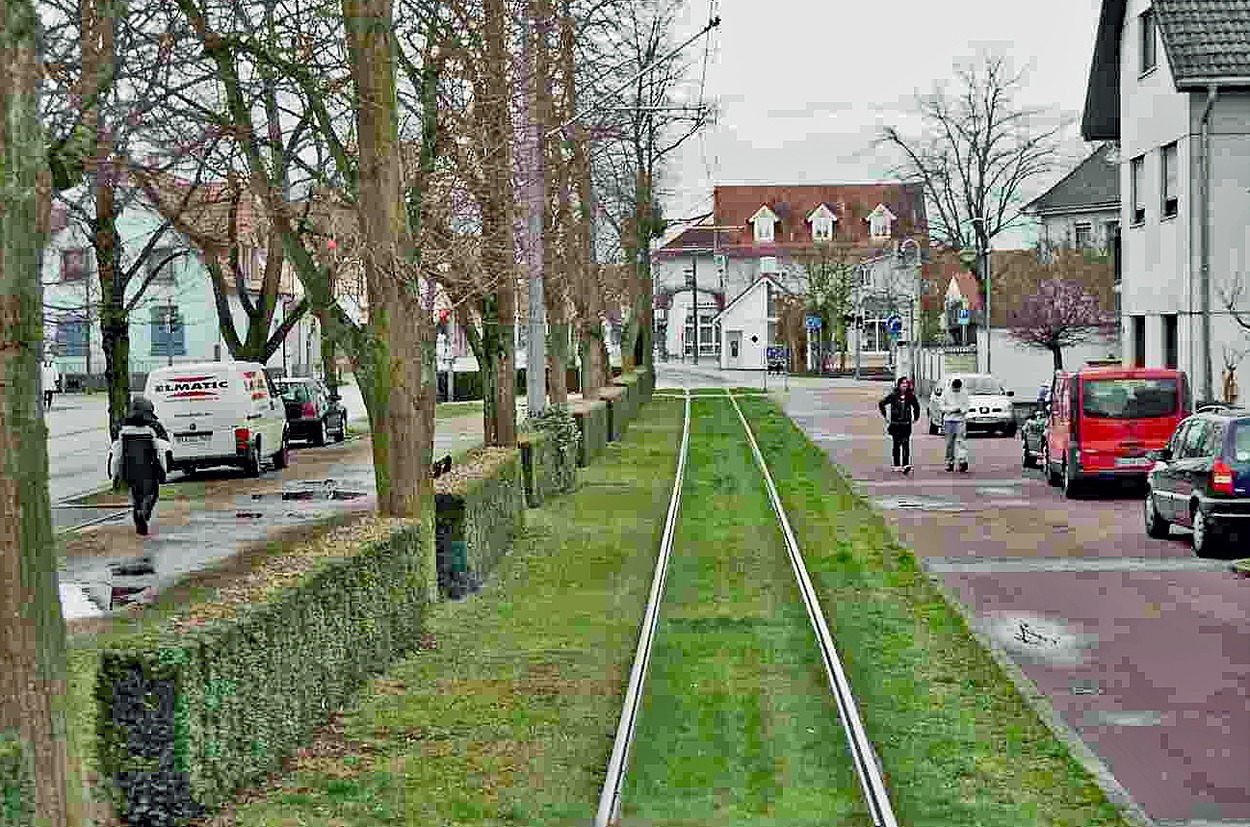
196 708
547 469
483 512
592 423
17 785
614 397
632 400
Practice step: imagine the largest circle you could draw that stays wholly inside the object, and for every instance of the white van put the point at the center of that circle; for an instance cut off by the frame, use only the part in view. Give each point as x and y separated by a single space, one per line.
220 413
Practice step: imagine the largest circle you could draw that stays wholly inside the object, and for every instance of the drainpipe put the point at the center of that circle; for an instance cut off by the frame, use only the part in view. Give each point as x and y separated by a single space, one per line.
1205 242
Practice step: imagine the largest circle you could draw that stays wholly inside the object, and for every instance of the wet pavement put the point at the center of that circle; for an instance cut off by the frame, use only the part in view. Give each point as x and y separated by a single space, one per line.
191 533
1142 649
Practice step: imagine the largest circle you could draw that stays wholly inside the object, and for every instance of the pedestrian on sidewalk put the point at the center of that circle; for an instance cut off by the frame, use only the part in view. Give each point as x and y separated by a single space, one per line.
138 457
955 404
904 411
51 380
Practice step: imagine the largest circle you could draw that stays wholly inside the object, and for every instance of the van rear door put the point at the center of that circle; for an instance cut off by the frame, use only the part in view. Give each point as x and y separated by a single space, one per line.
198 406
1123 417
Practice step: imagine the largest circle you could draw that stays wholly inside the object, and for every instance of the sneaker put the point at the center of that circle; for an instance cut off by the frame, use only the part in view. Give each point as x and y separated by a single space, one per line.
963 466
950 467
906 469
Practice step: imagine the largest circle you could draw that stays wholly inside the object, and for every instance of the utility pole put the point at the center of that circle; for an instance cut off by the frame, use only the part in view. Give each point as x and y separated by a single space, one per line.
859 318
983 270
694 300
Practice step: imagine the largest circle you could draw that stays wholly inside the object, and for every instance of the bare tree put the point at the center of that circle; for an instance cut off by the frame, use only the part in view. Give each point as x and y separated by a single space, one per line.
828 270
32 629
977 153
1232 296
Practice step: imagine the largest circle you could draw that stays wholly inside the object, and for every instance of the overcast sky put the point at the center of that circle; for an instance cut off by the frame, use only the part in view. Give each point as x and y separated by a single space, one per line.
804 86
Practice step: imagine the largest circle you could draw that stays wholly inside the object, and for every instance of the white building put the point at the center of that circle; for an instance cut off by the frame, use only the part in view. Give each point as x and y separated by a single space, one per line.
1169 83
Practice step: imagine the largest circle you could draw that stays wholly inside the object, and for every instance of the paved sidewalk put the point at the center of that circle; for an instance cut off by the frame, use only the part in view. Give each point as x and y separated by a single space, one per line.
1141 649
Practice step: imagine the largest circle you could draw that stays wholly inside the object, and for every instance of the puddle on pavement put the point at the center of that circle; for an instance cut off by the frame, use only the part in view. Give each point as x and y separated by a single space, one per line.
1121 718
916 502
1036 639
999 491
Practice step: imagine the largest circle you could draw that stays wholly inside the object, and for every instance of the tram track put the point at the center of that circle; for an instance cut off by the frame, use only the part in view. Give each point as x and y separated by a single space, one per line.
866 765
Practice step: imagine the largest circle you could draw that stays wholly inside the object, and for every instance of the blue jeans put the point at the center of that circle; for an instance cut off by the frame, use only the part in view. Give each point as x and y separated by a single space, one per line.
956 431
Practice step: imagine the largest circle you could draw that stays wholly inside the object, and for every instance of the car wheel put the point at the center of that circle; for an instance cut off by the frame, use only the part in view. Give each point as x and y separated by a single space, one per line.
1071 485
1156 526
251 465
341 433
1011 430
319 437
1206 537
282 459
933 429
1027 461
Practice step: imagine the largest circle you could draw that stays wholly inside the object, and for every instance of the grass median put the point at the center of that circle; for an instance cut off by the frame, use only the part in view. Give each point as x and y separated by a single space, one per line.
738 726
960 746
509 718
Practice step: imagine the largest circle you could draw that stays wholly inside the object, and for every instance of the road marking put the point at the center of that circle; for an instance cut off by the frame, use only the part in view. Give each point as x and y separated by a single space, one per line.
1005 565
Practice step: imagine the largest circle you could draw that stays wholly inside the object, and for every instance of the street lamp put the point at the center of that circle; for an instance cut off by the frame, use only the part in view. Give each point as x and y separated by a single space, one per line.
913 347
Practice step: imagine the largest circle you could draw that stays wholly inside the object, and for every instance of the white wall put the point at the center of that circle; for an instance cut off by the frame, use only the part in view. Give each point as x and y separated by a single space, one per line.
749 316
1061 229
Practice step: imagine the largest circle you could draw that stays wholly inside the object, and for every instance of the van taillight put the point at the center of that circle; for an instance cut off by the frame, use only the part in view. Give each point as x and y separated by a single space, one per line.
1221 478
242 436
309 410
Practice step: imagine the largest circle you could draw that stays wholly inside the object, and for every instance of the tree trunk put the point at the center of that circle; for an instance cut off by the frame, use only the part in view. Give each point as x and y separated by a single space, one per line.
114 320
32 630
398 440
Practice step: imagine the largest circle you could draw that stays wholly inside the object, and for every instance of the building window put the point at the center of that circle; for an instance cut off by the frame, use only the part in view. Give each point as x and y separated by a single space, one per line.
764 228
1110 229
1168 180
161 274
1084 236
876 337
1169 340
74 264
865 276
772 333
1136 169
72 336
879 226
822 228
1146 42
772 301
168 333
1139 341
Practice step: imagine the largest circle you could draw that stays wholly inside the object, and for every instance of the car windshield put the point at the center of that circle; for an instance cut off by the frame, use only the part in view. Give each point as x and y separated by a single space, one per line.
1241 441
982 385
296 393
1130 398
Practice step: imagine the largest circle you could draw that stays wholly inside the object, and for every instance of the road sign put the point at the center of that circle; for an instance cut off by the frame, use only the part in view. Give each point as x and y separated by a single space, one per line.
895 325
722 261
814 323
963 316
777 353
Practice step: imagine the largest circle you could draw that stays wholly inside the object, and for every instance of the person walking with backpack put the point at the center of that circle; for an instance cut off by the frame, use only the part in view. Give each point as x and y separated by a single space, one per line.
955 405
138 457
903 413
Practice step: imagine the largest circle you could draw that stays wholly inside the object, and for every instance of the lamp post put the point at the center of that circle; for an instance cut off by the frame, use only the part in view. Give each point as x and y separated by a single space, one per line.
859 314
913 348
983 270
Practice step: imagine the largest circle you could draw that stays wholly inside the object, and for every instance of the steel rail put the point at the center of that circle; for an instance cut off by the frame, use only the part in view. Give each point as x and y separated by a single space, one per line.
867 764
610 797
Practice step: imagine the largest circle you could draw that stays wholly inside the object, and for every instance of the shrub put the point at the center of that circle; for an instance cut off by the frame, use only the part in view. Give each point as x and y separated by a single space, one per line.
196 707
549 454
479 504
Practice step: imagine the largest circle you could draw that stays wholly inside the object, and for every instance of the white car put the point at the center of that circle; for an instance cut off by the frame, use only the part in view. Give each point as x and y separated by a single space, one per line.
991 407
220 413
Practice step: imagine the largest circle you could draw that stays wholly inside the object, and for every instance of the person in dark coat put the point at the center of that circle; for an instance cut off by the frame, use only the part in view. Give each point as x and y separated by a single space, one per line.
138 457
904 410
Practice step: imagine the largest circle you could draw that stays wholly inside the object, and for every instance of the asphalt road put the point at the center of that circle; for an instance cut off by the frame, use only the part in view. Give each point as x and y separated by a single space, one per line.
1141 649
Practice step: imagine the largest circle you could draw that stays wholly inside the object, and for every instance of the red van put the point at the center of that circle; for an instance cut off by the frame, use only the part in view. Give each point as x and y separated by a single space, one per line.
1103 421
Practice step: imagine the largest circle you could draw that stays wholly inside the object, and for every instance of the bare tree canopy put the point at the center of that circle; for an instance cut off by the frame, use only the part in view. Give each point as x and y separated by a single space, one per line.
1062 313
977 153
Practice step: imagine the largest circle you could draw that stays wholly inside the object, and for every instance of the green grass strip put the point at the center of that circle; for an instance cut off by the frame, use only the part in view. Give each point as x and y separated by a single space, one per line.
959 745
738 725
510 719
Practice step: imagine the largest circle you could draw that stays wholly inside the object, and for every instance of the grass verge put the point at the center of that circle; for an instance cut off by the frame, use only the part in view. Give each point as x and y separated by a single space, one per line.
738 726
508 719
960 746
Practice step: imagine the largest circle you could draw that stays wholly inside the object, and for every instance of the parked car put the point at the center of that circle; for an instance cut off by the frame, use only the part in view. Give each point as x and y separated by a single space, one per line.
1103 421
1201 479
312 412
219 413
991 409
1033 435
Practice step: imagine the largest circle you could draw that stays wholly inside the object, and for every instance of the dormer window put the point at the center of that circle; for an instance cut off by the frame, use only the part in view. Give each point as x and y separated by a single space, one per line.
880 221
822 219
764 220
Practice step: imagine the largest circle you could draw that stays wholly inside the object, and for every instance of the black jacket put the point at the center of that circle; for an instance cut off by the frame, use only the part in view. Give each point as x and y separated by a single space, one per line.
904 410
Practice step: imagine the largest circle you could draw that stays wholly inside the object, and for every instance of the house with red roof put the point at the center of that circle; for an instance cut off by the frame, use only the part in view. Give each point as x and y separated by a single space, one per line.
768 230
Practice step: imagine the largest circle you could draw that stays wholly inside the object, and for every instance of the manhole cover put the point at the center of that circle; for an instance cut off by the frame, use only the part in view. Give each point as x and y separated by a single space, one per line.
917 503
1084 687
